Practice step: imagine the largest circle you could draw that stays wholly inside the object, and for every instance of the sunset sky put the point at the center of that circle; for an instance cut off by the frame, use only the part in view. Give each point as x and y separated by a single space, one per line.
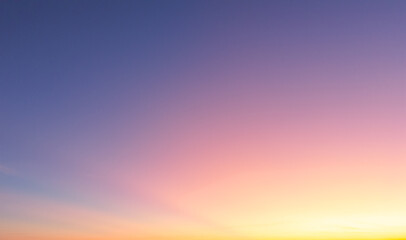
202 120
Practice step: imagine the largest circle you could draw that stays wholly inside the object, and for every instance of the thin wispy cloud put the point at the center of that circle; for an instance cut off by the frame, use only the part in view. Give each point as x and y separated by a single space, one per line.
6 171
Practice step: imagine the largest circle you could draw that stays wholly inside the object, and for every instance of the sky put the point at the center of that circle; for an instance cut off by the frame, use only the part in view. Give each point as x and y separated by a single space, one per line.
202 120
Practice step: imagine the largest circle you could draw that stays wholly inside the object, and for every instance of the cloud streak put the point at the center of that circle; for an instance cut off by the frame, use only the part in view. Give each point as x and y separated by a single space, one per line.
6 171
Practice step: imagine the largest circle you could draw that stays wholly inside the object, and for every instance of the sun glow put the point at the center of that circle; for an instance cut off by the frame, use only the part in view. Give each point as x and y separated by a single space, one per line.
355 227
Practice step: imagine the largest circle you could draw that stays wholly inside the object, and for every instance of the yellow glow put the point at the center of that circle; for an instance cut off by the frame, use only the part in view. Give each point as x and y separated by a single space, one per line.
331 227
